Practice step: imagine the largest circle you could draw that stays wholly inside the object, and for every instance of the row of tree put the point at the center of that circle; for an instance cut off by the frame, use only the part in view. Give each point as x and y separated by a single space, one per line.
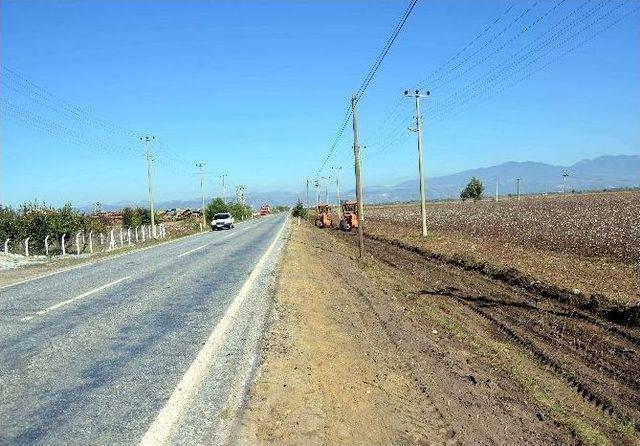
38 221
218 206
132 217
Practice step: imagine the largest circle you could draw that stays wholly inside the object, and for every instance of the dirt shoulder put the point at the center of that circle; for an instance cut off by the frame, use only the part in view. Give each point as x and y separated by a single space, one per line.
357 355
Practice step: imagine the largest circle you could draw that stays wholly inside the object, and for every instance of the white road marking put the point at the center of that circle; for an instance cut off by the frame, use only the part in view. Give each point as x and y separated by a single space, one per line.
73 299
160 430
192 250
248 224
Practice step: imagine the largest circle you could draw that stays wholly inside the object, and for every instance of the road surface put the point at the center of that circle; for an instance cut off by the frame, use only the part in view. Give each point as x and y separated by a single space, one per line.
154 346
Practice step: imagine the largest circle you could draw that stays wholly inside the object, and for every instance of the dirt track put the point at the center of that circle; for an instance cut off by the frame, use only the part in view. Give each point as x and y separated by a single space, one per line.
406 351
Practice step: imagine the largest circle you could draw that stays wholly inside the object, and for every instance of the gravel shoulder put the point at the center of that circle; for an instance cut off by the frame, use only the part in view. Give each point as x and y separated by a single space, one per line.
362 353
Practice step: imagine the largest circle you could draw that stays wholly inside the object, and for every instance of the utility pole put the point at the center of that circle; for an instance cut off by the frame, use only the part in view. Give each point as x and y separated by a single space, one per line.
200 166
147 140
240 192
496 189
326 189
337 171
518 188
224 188
307 194
418 130
356 156
317 193
565 174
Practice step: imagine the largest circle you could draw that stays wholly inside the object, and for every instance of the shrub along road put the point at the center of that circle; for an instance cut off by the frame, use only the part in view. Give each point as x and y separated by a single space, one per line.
156 344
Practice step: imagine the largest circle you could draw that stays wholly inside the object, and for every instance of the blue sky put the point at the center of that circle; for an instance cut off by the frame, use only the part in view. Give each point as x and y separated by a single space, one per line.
258 90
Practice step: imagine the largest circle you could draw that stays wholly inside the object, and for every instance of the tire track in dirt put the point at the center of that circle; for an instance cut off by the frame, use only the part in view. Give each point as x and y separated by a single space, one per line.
520 333
447 433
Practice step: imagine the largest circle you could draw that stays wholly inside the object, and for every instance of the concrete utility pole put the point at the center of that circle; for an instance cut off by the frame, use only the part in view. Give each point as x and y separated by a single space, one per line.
496 189
356 156
518 188
337 171
418 130
240 194
224 188
565 174
200 166
326 189
307 194
317 193
147 140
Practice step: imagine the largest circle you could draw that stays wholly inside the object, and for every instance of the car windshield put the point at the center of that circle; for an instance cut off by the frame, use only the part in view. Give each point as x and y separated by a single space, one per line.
221 216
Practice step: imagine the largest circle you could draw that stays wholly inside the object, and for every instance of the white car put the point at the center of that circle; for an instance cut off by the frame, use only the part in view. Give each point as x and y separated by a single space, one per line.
222 220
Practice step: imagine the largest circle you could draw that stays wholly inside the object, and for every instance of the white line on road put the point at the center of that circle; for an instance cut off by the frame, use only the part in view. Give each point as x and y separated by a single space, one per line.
73 299
248 224
159 431
192 250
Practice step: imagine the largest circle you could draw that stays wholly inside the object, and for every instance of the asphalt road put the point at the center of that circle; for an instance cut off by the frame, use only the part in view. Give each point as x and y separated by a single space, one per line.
157 345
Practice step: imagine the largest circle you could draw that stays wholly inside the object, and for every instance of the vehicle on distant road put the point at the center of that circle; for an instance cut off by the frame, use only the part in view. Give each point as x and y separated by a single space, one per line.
265 210
221 221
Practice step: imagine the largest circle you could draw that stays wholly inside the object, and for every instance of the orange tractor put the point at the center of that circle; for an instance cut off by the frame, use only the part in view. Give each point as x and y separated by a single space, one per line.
349 215
323 219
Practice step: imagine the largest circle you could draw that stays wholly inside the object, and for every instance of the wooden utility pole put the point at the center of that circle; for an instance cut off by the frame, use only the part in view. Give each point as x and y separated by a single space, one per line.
418 130
307 194
147 140
356 156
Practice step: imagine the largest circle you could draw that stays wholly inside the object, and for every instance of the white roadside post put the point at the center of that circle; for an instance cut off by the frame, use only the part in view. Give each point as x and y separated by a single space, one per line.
121 239
26 247
46 245
136 234
91 242
200 227
129 236
112 241
64 249
78 243
6 246
101 238
143 236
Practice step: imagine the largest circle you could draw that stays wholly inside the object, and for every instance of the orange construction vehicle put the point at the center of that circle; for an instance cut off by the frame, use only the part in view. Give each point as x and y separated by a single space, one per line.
349 215
323 219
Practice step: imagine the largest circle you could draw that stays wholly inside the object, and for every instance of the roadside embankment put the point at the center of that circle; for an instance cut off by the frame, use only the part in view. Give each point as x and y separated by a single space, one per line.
377 353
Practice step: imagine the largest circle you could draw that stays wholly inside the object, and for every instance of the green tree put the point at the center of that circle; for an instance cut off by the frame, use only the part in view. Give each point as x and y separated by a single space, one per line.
299 210
131 217
473 190
215 206
239 212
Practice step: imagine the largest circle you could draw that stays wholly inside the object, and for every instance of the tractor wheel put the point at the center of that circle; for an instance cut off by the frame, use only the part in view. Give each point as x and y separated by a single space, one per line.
344 225
319 223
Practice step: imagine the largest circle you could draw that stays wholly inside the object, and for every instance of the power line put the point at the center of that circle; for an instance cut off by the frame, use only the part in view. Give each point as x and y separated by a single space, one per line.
504 75
368 78
505 65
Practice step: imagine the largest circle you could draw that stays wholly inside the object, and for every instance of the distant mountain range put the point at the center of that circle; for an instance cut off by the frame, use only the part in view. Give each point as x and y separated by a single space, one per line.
605 172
